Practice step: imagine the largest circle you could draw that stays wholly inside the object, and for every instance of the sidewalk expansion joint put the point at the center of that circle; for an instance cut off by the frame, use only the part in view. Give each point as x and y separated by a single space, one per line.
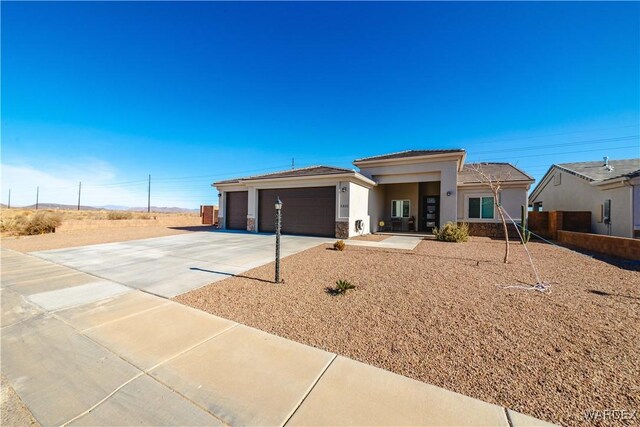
191 348
138 375
143 372
506 412
42 313
122 317
308 392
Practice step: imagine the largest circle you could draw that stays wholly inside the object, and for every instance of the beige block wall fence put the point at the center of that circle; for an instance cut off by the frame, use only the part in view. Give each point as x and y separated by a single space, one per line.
621 247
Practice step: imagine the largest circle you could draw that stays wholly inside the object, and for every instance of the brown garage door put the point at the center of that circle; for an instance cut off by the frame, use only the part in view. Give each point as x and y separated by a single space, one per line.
309 211
236 210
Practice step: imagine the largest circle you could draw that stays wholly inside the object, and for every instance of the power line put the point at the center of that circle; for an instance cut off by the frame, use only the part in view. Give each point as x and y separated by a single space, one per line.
587 142
568 152
221 174
559 134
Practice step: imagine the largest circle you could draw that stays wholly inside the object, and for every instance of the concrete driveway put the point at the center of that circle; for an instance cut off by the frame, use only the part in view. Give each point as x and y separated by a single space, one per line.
169 266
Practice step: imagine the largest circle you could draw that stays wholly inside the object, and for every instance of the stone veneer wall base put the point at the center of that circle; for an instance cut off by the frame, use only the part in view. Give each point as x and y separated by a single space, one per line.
342 230
491 229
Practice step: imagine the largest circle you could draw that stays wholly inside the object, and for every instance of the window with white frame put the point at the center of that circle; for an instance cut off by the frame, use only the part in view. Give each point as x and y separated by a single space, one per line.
400 208
481 207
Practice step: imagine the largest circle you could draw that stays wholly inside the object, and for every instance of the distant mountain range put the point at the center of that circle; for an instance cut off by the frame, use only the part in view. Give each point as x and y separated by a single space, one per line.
161 209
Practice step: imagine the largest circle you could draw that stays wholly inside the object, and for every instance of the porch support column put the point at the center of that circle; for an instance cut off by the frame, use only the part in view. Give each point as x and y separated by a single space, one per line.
449 185
222 210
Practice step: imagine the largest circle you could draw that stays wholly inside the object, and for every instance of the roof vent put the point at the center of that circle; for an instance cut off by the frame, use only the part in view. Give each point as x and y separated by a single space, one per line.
606 165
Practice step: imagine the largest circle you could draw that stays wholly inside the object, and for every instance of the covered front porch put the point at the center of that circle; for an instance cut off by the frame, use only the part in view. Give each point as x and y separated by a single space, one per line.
411 208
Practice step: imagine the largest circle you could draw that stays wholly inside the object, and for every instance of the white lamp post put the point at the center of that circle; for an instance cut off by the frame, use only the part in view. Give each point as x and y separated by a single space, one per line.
278 225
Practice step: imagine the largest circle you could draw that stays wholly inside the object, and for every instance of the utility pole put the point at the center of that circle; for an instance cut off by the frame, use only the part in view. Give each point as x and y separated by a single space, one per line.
293 164
9 202
79 192
37 196
149 196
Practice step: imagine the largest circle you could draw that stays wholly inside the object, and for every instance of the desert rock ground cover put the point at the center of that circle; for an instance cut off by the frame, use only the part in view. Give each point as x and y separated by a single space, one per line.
437 315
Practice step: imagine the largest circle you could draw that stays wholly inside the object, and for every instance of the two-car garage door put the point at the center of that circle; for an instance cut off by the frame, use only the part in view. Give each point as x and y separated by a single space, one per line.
307 211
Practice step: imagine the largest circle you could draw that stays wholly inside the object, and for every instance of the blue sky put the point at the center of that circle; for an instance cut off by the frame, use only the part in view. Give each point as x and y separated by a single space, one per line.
109 92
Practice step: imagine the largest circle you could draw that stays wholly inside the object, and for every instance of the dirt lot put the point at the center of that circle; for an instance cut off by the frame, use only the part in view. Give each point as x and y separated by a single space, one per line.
72 238
74 215
437 315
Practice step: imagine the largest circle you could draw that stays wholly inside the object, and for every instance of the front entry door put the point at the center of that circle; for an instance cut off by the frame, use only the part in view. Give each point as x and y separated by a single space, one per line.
430 213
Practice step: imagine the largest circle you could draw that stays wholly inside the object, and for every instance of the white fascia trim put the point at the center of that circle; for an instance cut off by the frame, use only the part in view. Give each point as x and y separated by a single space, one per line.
352 176
511 184
459 157
613 183
542 184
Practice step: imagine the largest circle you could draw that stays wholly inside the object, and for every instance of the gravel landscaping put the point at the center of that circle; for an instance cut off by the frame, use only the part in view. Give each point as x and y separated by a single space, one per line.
437 315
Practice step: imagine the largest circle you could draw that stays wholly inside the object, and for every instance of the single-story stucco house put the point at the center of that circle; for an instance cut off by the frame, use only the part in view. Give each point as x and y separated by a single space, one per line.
609 189
414 190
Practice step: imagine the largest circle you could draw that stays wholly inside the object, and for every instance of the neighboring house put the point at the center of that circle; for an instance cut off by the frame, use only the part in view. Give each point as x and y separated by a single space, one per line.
413 190
609 189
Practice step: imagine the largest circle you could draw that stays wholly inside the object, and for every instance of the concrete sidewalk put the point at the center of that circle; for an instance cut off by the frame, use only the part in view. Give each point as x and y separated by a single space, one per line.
98 353
407 243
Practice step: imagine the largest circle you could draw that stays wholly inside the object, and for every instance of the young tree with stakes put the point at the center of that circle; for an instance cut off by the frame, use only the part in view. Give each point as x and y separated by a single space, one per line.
494 182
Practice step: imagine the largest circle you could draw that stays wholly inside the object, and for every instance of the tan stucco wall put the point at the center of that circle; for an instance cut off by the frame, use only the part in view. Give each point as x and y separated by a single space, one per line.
576 194
511 198
636 207
358 209
377 196
446 172
407 191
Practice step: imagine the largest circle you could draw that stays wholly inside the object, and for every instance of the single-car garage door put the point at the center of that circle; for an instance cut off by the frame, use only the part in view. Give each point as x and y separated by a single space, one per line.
236 210
309 211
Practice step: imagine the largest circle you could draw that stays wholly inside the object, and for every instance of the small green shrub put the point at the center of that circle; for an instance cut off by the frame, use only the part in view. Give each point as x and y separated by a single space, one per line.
342 286
117 215
452 232
339 245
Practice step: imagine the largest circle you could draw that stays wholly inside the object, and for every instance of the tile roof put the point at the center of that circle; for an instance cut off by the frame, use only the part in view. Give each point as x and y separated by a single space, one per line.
506 172
596 171
408 153
308 171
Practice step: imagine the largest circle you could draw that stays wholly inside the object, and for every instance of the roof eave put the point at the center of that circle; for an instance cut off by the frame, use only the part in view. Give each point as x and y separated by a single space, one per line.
352 174
611 182
410 159
504 183
540 185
